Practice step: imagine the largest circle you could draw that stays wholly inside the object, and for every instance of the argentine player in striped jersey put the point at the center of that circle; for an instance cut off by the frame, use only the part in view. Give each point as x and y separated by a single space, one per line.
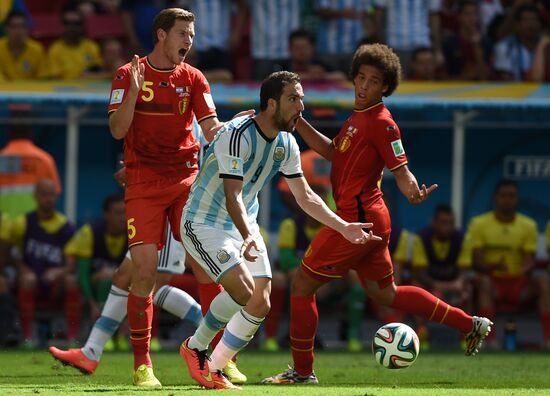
219 228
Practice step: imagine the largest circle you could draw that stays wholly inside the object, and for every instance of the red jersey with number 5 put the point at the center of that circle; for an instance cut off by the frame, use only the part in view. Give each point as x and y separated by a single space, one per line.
368 141
160 144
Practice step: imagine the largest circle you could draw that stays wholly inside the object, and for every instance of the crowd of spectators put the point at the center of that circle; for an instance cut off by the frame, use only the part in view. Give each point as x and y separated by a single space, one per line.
246 40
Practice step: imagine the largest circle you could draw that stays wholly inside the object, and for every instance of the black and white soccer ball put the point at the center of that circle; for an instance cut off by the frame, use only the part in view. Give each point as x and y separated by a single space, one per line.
395 346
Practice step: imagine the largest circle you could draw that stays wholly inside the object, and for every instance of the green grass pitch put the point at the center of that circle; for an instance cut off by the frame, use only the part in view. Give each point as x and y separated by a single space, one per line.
36 373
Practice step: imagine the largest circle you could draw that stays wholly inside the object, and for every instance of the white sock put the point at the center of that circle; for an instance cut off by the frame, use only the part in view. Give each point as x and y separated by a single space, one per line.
178 303
222 308
113 313
237 334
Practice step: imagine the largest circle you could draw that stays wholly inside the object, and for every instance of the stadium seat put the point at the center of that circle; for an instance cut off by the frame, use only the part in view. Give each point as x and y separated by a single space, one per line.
46 27
45 7
99 27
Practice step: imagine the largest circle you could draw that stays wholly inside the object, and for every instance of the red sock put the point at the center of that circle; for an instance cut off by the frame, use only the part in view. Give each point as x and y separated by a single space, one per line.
140 318
209 291
155 323
73 312
303 327
26 303
415 300
271 322
489 313
545 319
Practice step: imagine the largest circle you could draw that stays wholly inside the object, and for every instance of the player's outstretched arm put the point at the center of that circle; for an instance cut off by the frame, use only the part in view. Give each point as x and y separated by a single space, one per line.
407 184
314 206
315 139
121 118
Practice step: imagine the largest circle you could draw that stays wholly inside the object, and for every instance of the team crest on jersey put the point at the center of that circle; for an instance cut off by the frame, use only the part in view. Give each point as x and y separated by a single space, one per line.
345 143
279 154
222 256
182 105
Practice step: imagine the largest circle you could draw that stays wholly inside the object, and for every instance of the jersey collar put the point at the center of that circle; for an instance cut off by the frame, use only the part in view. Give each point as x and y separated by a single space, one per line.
157 69
368 108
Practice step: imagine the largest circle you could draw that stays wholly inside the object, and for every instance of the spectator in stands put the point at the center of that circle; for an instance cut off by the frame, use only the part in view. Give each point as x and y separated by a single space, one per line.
465 49
541 63
409 24
22 165
72 55
272 22
20 56
96 250
212 75
441 263
513 55
112 53
7 8
216 35
504 244
343 24
7 303
42 275
301 46
423 65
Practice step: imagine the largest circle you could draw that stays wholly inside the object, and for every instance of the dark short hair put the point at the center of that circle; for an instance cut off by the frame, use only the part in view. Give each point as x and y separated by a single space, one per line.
443 208
110 200
166 19
526 8
301 33
465 3
272 87
417 51
505 183
15 14
382 57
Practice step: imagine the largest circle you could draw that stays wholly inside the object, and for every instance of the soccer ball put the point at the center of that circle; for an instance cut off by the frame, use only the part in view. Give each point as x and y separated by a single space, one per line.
395 346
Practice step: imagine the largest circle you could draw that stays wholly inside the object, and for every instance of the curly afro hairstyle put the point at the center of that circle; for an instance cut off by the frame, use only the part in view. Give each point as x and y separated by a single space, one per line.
382 57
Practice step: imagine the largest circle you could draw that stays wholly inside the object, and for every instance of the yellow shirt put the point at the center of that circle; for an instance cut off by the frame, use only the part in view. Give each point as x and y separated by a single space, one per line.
30 64
506 242
400 255
4 227
82 243
288 233
68 62
441 251
19 228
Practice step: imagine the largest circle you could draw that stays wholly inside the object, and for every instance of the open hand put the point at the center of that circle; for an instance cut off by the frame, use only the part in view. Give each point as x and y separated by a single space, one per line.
137 73
354 233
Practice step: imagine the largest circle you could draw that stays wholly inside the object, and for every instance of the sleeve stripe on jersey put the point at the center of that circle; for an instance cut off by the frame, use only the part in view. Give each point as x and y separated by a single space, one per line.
399 166
235 141
207 116
294 176
226 176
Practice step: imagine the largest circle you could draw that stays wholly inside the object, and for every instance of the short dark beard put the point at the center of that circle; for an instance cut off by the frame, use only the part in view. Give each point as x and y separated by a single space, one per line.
279 121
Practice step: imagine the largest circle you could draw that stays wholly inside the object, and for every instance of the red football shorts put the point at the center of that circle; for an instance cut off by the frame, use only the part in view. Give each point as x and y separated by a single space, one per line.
330 256
148 205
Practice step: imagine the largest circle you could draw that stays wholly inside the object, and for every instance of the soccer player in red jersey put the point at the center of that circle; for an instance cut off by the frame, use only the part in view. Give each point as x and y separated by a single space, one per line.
152 104
367 142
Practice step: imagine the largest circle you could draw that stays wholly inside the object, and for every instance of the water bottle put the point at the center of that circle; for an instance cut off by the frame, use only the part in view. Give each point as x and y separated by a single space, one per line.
510 341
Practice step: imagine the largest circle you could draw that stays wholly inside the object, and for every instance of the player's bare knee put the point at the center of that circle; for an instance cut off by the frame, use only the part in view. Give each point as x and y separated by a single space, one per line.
303 285
382 296
279 280
70 281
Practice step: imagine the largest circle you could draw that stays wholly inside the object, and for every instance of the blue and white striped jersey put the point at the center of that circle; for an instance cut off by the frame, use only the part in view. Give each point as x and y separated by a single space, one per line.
341 35
272 23
240 150
211 24
408 22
